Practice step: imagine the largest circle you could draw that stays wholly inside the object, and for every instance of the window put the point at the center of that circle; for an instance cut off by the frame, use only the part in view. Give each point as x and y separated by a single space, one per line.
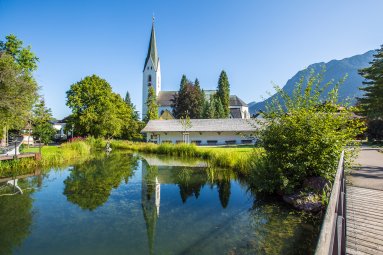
149 80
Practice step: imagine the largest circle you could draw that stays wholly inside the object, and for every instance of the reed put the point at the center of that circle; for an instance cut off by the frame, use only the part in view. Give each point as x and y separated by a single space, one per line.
239 160
52 156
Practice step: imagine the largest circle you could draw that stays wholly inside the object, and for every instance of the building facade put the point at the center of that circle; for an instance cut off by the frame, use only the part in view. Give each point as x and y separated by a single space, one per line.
202 131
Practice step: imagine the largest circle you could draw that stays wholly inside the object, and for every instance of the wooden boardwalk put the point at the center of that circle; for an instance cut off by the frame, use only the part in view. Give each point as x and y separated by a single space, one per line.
364 231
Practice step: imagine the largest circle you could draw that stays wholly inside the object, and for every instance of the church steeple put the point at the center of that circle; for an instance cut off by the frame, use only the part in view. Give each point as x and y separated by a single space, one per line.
151 75
152 50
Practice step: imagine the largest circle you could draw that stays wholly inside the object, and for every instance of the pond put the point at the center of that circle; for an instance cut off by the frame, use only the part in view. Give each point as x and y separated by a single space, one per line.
140 204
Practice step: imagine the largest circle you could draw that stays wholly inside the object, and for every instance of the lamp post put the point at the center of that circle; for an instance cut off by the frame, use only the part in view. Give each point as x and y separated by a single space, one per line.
72 130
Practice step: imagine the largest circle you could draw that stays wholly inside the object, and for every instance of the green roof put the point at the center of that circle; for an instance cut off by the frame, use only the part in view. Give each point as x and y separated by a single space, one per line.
152 50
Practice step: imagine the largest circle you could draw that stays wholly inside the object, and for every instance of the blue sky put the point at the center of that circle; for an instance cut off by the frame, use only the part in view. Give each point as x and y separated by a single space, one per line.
256 42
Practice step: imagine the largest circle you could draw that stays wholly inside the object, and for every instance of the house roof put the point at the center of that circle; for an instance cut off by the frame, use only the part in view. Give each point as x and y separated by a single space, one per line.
152 50
164 98
203 125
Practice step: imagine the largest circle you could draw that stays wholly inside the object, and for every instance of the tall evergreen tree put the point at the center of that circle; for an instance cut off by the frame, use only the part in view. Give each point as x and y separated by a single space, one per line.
372 101
42 128
220 110
151 103
189 100
128 101
212 109
223 93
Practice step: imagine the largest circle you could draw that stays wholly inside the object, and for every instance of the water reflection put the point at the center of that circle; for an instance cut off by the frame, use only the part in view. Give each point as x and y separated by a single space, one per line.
124 204
15 211
89 185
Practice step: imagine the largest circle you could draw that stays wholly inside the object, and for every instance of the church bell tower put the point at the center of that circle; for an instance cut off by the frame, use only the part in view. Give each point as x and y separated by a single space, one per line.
151 75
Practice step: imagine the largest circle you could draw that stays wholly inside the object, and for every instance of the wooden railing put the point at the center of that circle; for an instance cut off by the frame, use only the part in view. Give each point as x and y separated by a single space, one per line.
332 239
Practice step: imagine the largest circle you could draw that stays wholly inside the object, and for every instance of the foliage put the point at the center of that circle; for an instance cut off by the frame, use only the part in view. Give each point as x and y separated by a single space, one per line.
223 95
189 100
372 101
129 102
96 110
42 128
18 89
303 136
24 57
151 103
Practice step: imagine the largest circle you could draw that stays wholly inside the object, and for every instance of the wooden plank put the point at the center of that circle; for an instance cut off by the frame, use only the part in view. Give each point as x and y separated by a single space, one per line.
364 221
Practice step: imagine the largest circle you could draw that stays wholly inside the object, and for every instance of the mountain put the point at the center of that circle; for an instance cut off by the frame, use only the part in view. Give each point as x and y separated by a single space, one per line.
335 70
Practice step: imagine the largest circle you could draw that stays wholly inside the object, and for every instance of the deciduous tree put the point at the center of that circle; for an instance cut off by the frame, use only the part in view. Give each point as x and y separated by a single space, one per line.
96 110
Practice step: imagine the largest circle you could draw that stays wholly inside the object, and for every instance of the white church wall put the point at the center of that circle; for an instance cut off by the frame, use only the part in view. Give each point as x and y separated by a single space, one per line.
155 82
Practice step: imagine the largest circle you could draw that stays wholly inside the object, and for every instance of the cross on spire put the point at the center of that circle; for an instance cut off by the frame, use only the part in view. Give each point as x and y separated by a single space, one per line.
153 18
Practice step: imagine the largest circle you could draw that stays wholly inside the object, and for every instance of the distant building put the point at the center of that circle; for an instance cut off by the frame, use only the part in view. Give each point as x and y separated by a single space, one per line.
152 78
202 131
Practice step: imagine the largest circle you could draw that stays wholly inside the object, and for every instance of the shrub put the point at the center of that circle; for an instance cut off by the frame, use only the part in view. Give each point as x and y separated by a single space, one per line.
304 135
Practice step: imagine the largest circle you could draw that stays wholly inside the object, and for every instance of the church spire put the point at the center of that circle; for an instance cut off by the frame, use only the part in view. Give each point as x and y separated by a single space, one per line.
152 50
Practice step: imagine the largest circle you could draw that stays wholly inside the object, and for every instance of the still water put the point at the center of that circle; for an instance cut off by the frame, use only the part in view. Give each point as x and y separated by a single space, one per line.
139 204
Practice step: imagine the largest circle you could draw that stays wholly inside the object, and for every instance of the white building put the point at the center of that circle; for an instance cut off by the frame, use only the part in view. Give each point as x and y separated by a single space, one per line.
152 78
202 131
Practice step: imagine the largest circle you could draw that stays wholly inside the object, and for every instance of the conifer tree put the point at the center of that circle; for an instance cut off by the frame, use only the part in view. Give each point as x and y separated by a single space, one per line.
42 128
189 100
223 93
220 110
211 114
151 103
372 101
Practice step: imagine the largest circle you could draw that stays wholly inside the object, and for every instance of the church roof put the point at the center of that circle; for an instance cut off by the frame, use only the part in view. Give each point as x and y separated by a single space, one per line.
203 125
236 101
235 113
152 50
164 98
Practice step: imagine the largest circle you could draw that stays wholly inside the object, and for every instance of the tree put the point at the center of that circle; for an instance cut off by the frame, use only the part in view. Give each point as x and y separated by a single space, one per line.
128 101
372 102
18 89
24 57
303 135
223 93
189 100
151 103
96 110
42 128
18 94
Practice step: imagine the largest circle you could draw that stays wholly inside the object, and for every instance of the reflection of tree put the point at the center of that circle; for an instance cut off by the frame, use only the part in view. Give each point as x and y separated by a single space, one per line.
224 192
89 185
190 181
16 217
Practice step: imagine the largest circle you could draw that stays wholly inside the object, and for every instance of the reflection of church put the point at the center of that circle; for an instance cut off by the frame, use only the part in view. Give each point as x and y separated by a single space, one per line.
189 180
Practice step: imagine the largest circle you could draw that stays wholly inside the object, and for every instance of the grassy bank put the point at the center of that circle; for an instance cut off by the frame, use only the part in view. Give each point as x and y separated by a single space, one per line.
237 158
52 156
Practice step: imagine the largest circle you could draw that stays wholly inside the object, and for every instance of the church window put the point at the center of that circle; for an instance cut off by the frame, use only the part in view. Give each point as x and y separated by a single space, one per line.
151 68
150 80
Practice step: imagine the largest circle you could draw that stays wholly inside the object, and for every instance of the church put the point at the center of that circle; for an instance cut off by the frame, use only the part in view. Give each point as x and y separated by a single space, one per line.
152 78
